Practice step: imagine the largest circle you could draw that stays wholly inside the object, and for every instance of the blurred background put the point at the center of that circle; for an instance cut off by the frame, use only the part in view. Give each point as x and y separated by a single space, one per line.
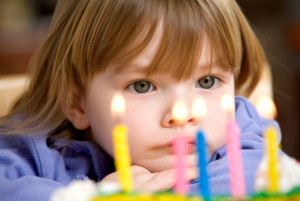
24 25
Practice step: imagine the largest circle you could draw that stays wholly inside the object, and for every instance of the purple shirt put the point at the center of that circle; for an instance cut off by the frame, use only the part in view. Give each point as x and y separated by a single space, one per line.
32 167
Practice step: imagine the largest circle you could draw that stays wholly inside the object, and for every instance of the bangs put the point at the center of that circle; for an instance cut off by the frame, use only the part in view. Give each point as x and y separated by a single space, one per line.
121 30
118 38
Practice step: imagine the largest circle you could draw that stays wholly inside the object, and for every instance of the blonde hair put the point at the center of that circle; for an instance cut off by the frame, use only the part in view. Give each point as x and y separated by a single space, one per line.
86 36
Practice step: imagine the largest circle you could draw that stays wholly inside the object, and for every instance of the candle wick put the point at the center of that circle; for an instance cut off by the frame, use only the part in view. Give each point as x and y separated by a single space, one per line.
180 130
201 123
118 120
229 115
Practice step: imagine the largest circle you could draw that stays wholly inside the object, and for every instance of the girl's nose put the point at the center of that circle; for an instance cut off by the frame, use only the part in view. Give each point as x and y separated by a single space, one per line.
169 122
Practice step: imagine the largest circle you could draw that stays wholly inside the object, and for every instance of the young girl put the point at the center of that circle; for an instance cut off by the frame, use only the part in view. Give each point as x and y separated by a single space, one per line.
154 53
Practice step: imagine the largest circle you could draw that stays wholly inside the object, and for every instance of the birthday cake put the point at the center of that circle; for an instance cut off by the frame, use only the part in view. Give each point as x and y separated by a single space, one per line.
288 188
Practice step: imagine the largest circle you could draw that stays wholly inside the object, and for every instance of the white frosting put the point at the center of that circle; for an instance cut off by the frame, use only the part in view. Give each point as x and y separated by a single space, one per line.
82 190
289 177
78 190
109 187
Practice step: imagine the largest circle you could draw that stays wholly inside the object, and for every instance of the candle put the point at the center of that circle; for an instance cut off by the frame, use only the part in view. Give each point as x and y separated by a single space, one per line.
179 114
266 108
236 173
179 148
273 172
199 111
202 162
121 149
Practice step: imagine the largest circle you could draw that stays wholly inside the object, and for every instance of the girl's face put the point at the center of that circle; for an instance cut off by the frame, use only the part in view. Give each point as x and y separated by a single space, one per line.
149 104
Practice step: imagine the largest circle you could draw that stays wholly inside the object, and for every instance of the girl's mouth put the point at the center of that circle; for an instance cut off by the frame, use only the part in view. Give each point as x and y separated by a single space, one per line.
190 147
190 144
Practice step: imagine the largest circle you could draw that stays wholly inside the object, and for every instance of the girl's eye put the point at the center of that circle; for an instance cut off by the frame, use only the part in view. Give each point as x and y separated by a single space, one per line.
141 87
207 82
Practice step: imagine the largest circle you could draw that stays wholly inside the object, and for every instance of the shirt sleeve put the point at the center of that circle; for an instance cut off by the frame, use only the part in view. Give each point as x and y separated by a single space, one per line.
20 172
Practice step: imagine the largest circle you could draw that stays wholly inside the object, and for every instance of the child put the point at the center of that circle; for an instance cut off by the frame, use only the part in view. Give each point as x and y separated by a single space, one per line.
154 53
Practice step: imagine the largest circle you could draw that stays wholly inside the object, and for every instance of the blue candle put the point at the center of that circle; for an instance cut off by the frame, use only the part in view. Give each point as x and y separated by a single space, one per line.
202 162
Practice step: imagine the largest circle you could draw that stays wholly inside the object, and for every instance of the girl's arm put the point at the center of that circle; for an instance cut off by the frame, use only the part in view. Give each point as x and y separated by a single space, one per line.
20 169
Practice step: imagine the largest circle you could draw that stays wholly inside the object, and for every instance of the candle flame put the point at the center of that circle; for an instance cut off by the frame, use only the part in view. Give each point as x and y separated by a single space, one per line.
227 103
266 107
179 111
199 108
118 105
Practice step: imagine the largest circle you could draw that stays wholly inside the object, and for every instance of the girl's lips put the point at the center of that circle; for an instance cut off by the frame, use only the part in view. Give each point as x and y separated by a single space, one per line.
190 143
190 147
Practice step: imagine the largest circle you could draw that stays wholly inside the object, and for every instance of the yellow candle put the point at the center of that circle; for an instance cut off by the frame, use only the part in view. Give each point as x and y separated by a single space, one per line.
122 159
273 172
266 108
121 149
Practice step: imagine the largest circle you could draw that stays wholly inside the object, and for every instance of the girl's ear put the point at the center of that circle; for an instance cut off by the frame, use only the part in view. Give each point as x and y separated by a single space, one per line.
77 114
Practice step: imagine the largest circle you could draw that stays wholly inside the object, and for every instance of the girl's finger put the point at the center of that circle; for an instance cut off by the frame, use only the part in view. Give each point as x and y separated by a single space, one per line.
165 180
135 169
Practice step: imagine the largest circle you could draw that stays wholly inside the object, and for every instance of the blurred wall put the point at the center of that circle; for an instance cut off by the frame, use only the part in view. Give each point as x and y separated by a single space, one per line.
275 24
23 27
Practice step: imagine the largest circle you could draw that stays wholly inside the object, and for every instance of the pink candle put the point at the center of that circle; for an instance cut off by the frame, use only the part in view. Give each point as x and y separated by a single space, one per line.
236 173
179 148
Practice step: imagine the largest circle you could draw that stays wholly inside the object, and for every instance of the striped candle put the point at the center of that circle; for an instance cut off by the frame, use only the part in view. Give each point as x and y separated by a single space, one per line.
122 158
179 148
236 173
202 162
267 109
272 152
121 148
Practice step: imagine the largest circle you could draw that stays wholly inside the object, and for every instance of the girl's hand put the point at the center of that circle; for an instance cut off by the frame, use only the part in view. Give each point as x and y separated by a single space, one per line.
146 181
